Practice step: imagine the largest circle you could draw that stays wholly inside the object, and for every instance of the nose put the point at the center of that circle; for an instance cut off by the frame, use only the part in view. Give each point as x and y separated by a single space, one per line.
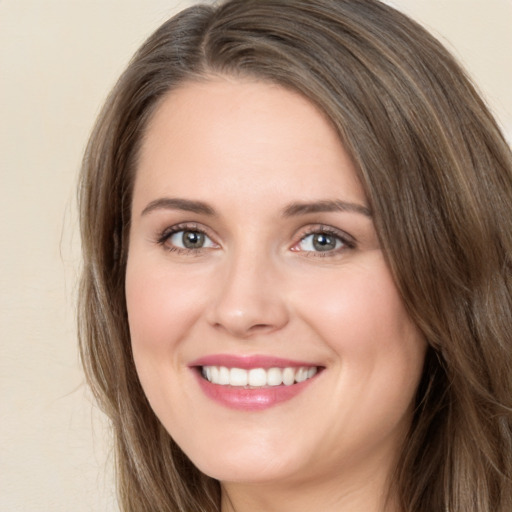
250 299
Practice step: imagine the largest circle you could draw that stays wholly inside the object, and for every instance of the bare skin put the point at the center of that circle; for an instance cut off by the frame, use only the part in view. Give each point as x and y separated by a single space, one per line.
251 237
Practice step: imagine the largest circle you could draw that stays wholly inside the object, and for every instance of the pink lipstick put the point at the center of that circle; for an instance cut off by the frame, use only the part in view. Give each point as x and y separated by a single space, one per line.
252 383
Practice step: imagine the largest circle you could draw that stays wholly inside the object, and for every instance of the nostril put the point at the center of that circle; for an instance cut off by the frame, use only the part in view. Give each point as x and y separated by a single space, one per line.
259 327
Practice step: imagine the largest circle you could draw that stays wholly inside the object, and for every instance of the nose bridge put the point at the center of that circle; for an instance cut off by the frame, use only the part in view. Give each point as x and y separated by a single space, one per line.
249 299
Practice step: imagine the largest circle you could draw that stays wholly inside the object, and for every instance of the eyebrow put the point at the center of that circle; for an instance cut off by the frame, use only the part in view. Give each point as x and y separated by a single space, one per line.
292 210
303 208
169 203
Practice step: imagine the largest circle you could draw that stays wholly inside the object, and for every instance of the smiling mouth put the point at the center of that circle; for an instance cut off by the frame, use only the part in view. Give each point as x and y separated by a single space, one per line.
256 378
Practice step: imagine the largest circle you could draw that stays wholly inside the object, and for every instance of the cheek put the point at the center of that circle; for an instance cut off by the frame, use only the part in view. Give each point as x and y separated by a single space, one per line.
358 310
161 307
361 317
377 353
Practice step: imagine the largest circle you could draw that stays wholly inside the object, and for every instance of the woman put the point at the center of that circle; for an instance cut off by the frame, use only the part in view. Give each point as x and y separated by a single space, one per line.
296 226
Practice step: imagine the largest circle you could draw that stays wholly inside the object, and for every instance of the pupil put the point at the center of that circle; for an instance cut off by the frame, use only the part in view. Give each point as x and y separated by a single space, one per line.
193 239
322 242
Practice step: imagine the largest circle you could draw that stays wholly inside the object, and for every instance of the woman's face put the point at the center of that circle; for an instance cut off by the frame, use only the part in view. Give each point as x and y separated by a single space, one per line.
253 260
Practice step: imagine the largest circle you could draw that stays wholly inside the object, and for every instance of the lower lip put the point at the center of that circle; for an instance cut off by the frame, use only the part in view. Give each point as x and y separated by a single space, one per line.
247 399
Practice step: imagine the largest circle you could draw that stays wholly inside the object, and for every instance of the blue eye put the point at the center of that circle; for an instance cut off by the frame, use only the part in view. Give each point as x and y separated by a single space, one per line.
321 242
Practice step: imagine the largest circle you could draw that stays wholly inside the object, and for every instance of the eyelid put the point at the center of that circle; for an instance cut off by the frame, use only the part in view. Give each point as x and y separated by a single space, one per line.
349 242
164 235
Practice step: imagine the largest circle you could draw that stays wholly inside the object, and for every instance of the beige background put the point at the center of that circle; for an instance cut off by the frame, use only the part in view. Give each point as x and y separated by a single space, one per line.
58 59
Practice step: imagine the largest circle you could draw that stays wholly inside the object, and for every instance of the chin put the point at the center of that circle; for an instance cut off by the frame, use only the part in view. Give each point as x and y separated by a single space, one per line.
248 465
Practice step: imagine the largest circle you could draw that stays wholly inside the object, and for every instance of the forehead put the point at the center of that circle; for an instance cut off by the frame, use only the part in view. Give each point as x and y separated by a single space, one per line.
207 136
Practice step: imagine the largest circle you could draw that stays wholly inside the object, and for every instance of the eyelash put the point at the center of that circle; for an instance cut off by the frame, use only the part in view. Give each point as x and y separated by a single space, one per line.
167 233
347 241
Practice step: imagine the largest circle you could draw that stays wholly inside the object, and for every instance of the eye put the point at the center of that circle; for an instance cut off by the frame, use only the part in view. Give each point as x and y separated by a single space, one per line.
190 239
323 240
185 239
320 242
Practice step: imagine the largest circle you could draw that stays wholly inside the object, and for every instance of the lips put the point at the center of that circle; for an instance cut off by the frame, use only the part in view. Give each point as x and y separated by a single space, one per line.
252 383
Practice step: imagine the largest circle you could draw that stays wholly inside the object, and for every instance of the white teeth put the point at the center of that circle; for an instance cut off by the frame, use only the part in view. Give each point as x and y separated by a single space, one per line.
274 376
257 377
224 375
238 377
288 376
301 375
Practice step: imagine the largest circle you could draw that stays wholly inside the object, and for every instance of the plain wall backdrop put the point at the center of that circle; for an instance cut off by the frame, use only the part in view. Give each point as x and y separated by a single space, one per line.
58 60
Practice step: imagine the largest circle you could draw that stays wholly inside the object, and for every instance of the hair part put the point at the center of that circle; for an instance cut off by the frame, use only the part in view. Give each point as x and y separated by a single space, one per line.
438 177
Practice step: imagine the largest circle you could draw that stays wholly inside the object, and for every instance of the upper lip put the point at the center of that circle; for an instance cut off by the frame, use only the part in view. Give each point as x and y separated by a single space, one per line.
248 362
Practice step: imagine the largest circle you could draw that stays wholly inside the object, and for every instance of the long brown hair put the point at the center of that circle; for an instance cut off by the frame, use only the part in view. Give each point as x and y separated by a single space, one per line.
438 176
